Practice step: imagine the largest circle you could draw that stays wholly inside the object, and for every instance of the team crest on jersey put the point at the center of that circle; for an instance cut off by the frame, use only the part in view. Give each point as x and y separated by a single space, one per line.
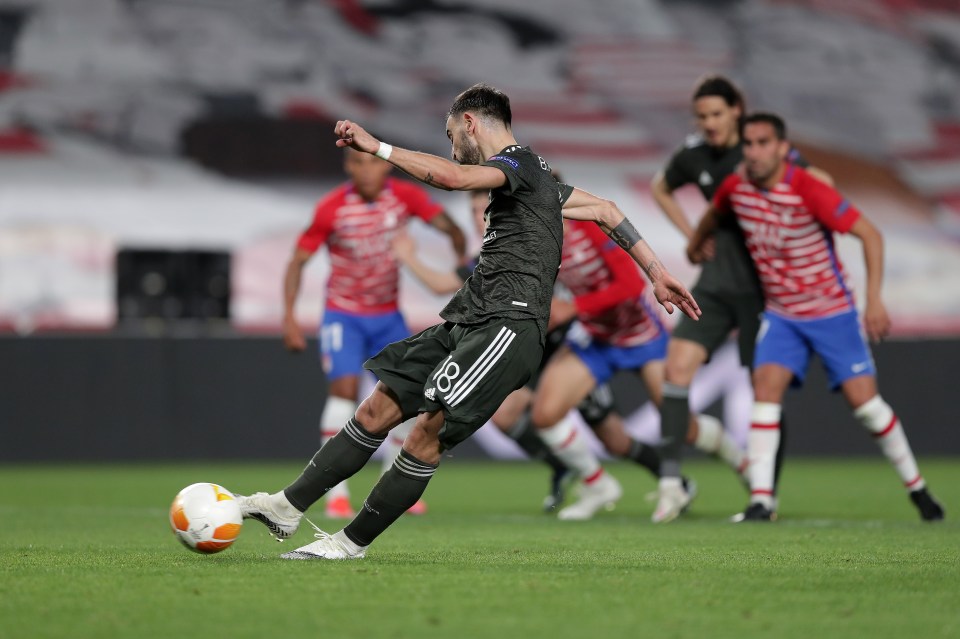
705 179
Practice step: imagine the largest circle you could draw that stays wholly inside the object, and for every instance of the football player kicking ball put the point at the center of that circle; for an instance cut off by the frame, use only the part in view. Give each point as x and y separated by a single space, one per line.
356 221
454 375
788 219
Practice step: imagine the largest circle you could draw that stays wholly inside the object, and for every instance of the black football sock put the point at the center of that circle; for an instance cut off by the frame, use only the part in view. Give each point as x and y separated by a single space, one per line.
646 456
398 489
339 458
674 421
526 437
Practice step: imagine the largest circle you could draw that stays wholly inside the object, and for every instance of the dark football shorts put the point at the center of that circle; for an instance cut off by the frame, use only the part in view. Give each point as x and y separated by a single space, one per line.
721 315
466 371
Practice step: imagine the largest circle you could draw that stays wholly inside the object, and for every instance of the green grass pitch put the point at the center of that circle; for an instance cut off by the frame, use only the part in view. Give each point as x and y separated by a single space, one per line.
86 551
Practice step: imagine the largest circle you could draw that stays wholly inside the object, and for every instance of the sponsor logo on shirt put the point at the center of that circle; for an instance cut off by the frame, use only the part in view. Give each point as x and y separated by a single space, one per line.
705 179
506 160
492 235
430 393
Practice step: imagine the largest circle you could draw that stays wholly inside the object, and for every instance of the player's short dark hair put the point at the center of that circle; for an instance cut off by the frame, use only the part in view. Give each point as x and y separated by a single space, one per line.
721 87
774 120
485 101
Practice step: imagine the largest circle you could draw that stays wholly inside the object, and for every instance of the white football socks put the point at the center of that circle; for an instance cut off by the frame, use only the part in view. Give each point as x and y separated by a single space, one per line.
571 448
878 418
762 443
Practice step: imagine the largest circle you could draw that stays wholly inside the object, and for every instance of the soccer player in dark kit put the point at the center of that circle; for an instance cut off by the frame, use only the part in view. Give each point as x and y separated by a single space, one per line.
454 375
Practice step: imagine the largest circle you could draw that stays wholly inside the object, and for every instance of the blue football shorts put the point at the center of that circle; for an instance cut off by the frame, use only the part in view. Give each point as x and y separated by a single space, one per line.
838 340
347 340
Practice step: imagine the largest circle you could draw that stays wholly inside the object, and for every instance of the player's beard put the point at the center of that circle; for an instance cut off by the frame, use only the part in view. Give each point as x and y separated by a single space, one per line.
468 151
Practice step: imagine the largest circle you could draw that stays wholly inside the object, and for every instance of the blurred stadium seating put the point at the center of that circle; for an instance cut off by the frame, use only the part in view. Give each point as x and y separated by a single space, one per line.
120 118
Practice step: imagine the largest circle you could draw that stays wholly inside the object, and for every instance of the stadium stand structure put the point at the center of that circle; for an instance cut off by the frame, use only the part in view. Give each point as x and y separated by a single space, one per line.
96 96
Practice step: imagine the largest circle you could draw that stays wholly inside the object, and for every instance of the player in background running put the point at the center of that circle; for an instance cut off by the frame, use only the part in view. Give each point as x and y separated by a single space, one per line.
788 219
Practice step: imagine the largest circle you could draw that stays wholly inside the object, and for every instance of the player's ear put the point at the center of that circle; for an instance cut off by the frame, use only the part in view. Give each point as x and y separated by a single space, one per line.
783 149
469 122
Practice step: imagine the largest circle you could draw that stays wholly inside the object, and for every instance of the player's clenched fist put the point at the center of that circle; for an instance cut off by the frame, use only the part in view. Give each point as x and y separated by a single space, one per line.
355 136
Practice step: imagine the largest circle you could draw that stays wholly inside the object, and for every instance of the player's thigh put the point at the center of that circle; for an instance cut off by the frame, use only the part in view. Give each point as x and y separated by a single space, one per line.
512 408
406 366
684 359
564 383
780 342
486 364
341 345
770 382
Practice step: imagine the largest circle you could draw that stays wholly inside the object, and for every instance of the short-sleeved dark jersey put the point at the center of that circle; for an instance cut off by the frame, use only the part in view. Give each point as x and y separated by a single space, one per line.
520 255
732 271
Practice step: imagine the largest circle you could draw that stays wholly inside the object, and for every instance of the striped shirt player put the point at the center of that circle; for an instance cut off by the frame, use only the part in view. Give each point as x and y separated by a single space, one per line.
618 329
361 315
789 219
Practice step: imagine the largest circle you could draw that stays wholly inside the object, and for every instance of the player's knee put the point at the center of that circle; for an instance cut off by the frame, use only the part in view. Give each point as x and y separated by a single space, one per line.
875 414
680 370
544 416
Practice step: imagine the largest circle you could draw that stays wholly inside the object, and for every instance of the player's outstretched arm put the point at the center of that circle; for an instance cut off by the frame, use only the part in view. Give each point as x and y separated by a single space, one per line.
876 320
429 169
667 289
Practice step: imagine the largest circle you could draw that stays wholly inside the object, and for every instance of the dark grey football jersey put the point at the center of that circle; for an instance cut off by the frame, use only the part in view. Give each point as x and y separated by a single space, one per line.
520 255
732 271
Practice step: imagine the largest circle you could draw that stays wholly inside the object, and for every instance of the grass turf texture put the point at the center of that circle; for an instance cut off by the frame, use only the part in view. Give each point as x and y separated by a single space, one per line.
86 551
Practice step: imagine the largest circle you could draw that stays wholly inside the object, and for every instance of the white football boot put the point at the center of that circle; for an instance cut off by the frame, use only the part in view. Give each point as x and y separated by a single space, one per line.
336 547
275 513
672 500
603 493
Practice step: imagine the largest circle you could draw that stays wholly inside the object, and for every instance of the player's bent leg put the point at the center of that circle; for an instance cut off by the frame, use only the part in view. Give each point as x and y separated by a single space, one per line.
391 448
564 384
340 458
883 424
396 491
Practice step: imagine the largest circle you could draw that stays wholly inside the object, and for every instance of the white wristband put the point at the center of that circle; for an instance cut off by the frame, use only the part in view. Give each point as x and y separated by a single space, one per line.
384 151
